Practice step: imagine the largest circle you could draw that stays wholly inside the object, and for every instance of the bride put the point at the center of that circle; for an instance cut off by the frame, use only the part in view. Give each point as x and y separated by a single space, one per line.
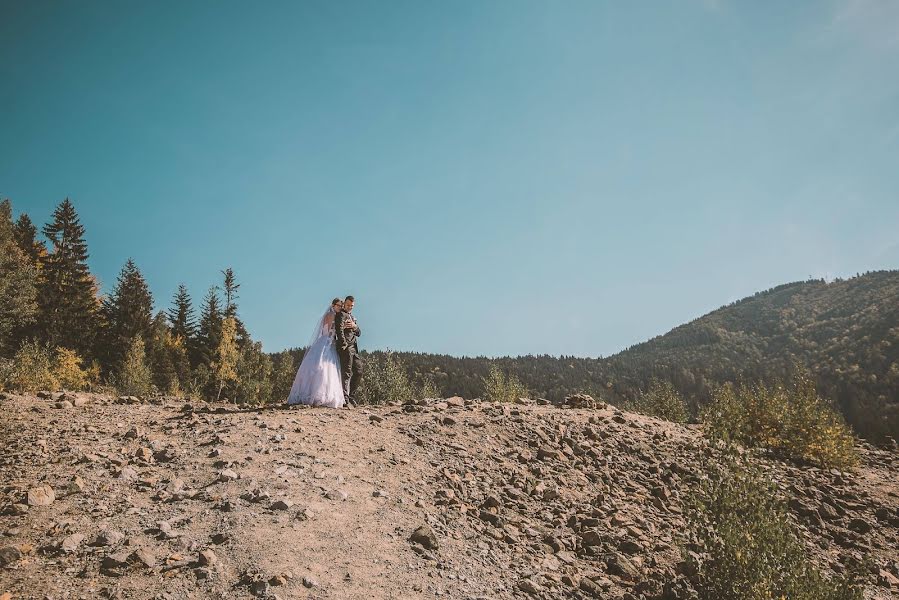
318 379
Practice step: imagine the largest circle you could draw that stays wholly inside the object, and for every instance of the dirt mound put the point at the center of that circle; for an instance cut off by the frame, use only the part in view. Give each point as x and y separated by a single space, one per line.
454 499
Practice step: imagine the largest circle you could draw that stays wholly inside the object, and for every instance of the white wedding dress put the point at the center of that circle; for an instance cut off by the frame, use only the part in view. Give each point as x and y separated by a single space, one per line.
318 379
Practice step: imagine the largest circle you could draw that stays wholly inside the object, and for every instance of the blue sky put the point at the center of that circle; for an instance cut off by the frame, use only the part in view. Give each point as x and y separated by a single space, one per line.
501 177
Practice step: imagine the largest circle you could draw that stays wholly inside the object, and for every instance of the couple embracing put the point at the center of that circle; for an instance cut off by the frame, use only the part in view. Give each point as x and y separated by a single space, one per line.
331 371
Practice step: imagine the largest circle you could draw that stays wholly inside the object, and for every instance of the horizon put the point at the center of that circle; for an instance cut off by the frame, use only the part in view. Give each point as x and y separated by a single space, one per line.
509 179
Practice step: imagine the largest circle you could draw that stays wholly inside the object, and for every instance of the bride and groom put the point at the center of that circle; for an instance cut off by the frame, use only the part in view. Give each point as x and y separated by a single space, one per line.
331 371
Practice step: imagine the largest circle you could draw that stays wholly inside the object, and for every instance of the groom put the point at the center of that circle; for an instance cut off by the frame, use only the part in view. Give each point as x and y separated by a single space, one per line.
346 333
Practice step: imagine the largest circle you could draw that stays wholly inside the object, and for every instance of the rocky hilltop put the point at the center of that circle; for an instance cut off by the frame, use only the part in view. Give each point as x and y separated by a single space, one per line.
116 498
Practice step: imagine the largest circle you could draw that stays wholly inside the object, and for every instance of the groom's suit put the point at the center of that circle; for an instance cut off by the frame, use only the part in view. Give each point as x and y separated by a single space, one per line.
348 349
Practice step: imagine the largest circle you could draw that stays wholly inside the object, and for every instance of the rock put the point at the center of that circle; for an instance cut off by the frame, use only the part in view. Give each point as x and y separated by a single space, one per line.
133 433
9 555
128 473
375 418
63 404
590 587
859 525
304 514
310 582
455 402
528 586
338 495
207 558
145 557
591 537
424 536
41 495
76 486
380 494
228 475
284 504
114 560
109 537
71 543
630 546
621 566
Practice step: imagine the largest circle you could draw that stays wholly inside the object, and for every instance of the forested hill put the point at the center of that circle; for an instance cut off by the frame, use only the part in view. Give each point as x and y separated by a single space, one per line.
846 332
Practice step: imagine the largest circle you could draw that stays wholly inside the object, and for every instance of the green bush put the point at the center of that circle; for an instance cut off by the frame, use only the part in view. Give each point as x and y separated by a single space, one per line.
134 377
31 369
742 545
663 401
499 387
793 421
385 380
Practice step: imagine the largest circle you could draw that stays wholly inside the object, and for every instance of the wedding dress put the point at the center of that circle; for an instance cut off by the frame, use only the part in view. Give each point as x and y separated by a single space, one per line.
317 382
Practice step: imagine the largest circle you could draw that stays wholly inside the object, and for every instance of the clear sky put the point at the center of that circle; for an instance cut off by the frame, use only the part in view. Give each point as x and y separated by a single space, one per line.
487 177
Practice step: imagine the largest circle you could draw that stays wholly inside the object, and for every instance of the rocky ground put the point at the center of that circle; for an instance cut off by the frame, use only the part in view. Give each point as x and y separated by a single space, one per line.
115 498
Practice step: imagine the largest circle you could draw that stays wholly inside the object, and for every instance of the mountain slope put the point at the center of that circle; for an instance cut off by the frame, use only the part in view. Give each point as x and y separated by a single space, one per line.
846 332
167 501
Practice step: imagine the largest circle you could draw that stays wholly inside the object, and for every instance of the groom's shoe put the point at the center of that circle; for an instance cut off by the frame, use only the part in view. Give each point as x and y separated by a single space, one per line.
351 403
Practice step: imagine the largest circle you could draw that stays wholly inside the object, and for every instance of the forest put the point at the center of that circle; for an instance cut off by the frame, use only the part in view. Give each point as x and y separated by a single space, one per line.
58 330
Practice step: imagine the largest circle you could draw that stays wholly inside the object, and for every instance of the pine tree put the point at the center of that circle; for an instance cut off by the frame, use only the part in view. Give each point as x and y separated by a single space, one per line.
18 276
127 313
283 375
26 238
181 316
163 352
229 288
224 367
209 331
133 377
67 295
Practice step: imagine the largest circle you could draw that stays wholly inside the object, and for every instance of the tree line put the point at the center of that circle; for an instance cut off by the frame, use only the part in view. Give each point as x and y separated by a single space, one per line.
58 330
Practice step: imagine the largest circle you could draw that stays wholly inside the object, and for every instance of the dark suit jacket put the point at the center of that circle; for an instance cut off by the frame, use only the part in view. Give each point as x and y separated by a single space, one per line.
346 338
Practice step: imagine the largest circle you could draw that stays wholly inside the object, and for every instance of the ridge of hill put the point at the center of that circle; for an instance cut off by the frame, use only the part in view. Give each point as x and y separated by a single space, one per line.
460 499
846 332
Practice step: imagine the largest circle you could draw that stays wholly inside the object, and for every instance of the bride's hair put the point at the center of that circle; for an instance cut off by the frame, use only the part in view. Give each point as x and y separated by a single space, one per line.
335 301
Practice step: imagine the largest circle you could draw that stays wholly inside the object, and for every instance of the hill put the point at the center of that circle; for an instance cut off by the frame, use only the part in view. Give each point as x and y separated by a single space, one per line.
106 497
845 332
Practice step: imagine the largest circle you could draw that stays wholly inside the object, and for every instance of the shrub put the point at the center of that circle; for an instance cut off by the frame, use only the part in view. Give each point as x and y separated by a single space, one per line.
385 380
67 370
134 377
793 421
663 401
426 387
32 369
499 387
742 545
254 375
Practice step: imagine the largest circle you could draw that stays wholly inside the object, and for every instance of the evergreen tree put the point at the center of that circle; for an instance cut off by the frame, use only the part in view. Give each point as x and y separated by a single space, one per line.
67 295
254 375
224 367
282 376
133 378
167 357
181 316
209 330
127 313
18 276
26 238
230 287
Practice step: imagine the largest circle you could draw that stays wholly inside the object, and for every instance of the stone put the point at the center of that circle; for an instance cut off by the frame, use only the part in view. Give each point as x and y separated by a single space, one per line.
115 560
616 564
109 537
309 582
380 494
304 514
41 495
455 402
591 537
133 433
283 504
590 587
528 586
71 543
63 404
424 536
859 525
9 555
338 495
144 557
375 418
207 558
227 475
